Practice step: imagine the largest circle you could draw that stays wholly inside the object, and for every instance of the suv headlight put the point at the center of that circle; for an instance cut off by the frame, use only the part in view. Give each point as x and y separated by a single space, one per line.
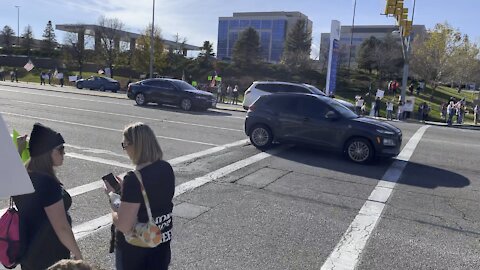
388 142
385 132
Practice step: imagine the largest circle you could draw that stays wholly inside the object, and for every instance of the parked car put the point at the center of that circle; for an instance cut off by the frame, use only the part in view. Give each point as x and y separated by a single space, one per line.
98 83
320 121
170 91
261 88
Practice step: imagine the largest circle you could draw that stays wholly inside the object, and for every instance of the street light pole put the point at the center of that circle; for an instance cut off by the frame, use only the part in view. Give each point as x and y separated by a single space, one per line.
18 25
351 35
151 40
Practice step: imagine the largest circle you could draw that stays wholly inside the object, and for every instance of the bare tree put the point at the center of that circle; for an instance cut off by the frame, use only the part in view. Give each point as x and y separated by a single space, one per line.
110 32
76 50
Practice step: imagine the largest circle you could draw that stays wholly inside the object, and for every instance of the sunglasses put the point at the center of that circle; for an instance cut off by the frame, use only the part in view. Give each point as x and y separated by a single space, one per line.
124 145
61 149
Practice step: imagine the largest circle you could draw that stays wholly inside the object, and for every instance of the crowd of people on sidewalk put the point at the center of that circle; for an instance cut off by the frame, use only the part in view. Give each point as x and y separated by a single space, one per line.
141 205
227 94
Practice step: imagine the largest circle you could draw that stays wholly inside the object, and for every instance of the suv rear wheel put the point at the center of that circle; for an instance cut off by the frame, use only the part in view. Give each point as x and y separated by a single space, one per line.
261 137
359 150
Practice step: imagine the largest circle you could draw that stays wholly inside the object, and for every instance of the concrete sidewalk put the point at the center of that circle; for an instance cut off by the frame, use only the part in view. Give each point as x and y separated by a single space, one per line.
86 92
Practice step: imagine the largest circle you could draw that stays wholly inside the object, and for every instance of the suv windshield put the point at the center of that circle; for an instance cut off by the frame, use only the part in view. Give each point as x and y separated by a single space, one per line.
342 110
315 90
183 85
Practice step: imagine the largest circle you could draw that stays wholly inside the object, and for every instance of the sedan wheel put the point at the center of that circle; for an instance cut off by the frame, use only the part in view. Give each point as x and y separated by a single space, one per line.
140 99
102 88
261 137
186 104
359 150
79 85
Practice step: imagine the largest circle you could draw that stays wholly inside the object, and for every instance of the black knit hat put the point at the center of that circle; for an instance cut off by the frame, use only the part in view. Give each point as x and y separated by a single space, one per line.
43 139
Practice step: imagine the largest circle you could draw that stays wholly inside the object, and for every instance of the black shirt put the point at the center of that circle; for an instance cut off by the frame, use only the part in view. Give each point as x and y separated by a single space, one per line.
48 191
159 182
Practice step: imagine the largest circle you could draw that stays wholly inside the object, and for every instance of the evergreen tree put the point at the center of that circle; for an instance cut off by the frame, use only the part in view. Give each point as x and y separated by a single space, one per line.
27 38
49 40
8 35
246 52
298 46
366 54
206 54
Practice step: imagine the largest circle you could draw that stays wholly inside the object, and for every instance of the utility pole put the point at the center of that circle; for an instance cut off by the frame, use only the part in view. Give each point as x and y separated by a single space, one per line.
18 25
151 40
351 35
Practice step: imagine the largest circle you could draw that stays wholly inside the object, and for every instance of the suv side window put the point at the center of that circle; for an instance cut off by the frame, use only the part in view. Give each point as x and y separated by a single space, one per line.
265 87
312 107
282 104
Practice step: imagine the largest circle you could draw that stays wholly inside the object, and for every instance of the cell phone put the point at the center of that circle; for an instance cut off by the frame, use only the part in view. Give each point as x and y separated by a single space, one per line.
112 181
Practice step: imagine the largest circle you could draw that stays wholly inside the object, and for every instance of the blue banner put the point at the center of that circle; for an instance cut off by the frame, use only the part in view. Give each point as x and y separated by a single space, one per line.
333 67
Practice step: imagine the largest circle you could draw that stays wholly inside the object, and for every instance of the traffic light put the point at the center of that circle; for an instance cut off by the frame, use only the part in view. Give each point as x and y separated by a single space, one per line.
407 29
390 7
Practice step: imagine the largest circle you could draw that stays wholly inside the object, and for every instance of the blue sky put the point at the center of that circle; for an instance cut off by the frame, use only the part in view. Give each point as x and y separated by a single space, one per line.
197 20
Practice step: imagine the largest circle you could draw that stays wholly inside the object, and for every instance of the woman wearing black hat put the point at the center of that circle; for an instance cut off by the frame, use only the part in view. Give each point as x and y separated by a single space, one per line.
48 232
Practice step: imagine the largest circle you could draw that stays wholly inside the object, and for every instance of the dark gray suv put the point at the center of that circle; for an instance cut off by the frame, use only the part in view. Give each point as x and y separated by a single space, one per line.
320 121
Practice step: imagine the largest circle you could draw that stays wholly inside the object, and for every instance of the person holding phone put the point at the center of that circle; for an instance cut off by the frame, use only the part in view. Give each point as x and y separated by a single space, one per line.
44 213
140 143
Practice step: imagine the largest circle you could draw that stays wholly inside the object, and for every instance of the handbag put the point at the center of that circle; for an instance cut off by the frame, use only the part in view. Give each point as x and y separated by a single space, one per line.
147 235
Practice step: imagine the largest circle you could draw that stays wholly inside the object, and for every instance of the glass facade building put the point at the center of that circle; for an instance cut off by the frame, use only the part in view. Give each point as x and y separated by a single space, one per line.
272 28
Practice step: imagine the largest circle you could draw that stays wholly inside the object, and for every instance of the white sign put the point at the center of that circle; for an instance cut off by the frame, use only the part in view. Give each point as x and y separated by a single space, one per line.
380 93
409 104
72 78
108 72
15 179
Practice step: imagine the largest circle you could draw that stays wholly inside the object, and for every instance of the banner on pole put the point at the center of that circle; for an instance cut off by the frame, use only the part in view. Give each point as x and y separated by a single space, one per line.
333 57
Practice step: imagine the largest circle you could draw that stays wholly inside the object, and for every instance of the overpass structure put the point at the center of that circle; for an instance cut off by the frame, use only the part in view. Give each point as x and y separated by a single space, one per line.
120 35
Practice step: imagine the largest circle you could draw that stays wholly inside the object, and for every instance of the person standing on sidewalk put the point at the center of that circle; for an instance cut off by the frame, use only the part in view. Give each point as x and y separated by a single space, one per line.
450 112
476 111
229 92
376 109
235 95
389 110
42 78
400 111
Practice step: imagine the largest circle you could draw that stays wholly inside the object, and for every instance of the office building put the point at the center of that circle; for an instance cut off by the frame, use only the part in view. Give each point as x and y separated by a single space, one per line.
272 28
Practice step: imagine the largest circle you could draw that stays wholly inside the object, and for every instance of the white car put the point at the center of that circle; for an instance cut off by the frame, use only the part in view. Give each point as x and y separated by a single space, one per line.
260 88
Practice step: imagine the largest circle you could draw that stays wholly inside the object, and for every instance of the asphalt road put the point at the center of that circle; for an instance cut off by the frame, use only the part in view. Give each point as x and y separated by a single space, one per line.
289 208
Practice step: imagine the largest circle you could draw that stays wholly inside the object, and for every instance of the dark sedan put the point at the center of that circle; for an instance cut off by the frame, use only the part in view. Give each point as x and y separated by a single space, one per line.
320 121
172 92
99 83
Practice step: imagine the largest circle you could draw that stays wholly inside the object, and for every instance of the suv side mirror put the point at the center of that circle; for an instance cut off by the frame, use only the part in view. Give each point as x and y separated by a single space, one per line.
331 115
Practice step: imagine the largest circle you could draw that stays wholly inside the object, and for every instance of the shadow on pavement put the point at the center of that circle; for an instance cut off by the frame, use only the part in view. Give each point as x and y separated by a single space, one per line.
414 174
176 109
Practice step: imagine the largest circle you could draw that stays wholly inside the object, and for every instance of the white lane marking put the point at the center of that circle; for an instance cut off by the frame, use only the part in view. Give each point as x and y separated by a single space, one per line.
100 160
95 150
347 252
104 128
207 152
131 116
87 228
175 161
65 97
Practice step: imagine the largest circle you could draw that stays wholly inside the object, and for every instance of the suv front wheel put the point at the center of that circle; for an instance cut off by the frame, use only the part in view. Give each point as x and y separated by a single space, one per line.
359 150
261 137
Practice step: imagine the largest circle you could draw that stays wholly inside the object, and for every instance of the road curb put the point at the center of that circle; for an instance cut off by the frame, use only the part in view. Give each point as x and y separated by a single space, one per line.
95 94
